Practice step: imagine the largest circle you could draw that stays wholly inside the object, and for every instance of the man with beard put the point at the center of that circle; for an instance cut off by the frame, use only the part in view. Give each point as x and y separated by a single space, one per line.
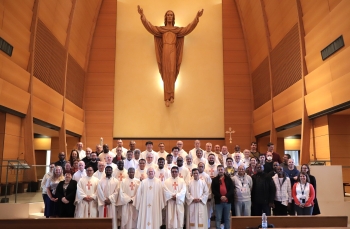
160 172
128 190
196 199
223 190
107 193
174 195
93 162
253 151
105 153
183 172
263 192
211 167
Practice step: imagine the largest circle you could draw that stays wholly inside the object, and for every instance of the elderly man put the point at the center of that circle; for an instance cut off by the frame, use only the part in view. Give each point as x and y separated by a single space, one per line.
109 159
189 165
87 158
237 161
81 172
107 193
120 145
80 150
150 162
243 186
87 196
174 195
101 170
162 153
127 195
182 152
197 146
196 198
225 154
149 202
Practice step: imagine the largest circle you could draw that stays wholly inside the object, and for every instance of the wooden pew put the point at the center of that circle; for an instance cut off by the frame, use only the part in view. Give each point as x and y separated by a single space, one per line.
57 223
244 222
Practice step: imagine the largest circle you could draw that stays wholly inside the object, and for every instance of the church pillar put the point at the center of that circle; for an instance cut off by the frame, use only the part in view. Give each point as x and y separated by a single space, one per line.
2 136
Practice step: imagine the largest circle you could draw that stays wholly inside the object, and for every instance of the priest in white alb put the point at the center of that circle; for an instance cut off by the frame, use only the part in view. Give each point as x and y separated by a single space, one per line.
127 193
149 202
196 199
174 195
161 172
86 200
101 170
107 193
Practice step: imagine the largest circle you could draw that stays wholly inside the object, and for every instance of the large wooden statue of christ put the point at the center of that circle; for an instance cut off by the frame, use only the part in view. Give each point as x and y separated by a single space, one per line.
169 42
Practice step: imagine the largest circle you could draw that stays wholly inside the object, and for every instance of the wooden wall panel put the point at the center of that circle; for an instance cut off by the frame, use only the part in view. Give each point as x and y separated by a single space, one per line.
288 114
252 18
286 69
55 15
261 84
13 73
13 97
288 96
262 125
82 30
74 110
100 74
73 124
47 94
46 112
74 82
262 111
281 17
15 29
319 138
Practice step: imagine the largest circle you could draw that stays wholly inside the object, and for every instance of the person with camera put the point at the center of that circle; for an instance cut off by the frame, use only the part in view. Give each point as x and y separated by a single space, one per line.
303 194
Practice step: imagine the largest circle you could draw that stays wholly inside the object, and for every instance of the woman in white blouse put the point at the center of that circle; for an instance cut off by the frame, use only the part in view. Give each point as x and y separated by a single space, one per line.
303 195
51 186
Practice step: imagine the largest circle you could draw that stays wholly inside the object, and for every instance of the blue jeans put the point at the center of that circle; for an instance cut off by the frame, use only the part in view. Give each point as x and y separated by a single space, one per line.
222 209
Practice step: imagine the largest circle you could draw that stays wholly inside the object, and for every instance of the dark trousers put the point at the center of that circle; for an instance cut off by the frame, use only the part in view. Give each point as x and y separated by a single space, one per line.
279 209
291 211
303 211
258 209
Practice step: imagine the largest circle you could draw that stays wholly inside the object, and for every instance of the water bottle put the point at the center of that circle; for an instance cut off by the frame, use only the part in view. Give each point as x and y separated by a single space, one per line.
264 221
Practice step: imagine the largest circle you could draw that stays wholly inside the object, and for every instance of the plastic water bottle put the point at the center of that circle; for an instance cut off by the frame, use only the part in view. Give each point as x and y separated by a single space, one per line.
264 221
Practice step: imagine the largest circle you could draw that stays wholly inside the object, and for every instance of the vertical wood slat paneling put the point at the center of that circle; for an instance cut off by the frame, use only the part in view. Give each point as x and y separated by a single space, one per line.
95 107
49 59
285 62
237 85
75 82
261 84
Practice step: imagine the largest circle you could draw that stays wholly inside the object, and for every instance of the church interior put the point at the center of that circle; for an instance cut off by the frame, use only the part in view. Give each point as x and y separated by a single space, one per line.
252 71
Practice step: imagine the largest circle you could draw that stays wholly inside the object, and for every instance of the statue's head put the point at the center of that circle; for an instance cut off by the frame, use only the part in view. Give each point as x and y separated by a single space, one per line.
169 14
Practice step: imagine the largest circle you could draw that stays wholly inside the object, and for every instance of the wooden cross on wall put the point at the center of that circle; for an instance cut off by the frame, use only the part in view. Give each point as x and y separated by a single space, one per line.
230 131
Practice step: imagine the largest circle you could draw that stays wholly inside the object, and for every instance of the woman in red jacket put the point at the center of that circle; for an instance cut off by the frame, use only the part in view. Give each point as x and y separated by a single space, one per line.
303 194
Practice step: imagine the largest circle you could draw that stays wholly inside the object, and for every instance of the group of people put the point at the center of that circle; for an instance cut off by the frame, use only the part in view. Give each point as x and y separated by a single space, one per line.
171 190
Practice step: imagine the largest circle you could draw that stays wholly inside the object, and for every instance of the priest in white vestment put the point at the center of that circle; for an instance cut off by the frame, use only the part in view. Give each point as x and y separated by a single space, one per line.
197 146
199 157
101 170
182 152
169 161
130 162
211 166
105 153
107 193
162 153
161 172
196 198
127 194
86 200
109 162
149 149
183 171
150 162
149 202
206 178
141 172
81 172
120 172
174 195
189 164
